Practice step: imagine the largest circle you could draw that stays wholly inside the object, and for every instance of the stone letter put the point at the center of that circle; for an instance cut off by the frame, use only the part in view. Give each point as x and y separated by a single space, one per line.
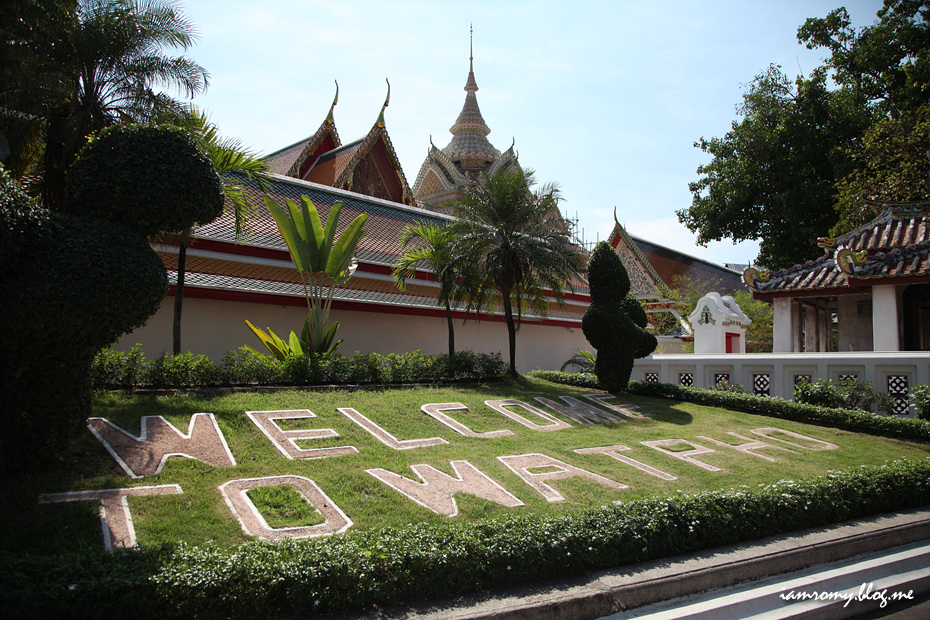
684 455
235 492
555 470
146 455
286 441
626 410
579 411
435 410
437 491
747 448
612 452
501 406
818 444
115 518
385 437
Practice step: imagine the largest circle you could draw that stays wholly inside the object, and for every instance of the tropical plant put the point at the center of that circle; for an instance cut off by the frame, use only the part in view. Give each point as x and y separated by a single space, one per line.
516 239
228 155
428 244
583 360
73 67
323 261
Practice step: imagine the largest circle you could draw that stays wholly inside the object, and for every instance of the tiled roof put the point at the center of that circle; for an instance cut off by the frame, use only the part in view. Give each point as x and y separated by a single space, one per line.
895 244
249 269
380 244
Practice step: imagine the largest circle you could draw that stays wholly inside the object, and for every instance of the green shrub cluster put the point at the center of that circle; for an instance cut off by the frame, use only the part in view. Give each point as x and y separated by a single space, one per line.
847 419
845 394
920 394
382 567
243 366
579 379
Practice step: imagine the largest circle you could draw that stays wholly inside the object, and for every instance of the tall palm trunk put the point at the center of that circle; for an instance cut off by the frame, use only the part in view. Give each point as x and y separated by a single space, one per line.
511 327
451 329
179 293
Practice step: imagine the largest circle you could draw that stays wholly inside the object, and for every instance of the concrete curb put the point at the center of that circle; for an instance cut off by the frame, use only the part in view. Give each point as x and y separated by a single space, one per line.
607 592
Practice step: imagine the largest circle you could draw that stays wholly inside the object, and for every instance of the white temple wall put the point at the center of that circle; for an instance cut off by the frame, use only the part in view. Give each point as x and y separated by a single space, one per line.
854 323
213 327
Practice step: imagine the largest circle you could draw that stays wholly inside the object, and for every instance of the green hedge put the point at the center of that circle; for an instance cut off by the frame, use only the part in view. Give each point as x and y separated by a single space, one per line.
847 419
243 366
373 568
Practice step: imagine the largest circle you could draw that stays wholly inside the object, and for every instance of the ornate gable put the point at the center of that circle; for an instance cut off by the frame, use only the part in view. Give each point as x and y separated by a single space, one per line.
645 283
297 159
895 245
367 166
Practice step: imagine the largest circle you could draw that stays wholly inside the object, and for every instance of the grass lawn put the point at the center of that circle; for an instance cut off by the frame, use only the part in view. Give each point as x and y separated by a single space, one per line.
200 514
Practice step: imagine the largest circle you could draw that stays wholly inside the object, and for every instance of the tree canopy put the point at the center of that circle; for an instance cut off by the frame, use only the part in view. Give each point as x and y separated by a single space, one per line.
797 163
73 67
515 237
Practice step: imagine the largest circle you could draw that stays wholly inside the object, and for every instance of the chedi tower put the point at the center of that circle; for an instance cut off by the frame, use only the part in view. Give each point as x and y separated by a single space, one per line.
447 172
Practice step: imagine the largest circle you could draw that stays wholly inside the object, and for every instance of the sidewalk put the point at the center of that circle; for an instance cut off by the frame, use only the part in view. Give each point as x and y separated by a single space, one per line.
704 577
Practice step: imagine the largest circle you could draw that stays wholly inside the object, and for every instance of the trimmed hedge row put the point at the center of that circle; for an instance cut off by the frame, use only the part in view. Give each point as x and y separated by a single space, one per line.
846 419
243 366
390 566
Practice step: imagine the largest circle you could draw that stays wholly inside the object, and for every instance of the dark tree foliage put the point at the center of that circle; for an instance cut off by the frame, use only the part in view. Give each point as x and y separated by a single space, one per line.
893 165
128 174
615 322
887 63
73 67
773 175
801 157
74 283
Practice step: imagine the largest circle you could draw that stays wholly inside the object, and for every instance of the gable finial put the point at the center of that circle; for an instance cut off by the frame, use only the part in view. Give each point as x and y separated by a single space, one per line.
329 117
387 100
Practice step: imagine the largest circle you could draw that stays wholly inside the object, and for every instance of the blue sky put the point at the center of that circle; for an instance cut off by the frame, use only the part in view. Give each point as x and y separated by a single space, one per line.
605 98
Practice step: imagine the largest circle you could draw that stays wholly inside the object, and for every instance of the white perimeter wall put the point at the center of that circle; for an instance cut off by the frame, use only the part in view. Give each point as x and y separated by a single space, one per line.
214 327
895 372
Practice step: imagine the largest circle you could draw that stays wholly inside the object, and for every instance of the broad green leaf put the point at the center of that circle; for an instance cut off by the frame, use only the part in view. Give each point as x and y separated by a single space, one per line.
344 248
294 343
297 249
315 234
271 342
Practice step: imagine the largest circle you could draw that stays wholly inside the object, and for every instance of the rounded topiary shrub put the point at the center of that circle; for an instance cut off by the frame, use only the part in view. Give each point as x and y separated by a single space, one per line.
151 179
615 322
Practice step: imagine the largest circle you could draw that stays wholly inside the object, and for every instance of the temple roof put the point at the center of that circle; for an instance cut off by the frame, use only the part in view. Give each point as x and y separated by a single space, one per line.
894 246
368 165
258 266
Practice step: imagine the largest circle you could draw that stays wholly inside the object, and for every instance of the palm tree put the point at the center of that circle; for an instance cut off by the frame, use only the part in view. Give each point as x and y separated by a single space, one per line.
73 67
430 245
516 238
234 163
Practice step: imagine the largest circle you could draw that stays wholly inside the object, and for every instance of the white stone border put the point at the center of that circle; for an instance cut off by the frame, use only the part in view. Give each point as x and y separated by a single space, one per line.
235 493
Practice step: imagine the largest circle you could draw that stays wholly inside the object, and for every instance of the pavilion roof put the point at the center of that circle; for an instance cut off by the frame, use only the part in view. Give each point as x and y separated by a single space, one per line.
895 245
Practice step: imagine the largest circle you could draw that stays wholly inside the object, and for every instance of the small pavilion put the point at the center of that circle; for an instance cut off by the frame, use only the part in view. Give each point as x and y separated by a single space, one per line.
870 291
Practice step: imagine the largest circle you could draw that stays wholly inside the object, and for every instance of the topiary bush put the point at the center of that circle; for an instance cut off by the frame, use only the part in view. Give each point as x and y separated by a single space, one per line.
74 283
150 179
615 322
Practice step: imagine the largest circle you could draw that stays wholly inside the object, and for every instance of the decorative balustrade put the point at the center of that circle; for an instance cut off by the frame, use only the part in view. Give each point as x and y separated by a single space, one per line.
775 374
